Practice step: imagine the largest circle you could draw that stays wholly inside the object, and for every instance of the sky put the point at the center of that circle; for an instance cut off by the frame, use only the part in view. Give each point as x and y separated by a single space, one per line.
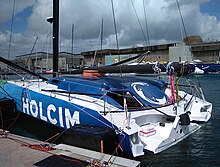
29 25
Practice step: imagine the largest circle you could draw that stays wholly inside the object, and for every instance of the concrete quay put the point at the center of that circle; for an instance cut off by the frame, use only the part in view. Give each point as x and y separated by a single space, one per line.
18 151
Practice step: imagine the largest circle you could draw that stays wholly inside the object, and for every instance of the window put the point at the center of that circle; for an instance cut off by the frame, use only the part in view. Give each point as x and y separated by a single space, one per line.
130 99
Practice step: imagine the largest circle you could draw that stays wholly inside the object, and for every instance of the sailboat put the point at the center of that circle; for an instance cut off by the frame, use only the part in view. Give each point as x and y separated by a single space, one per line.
138 110
135 109
198 67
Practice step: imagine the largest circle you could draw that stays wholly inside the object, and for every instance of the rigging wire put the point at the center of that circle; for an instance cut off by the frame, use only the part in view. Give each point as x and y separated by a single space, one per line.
115 27
146 25
10 37
15 103
181 17
116 35
99 39
31 51
188 42
184 28
139 21
45 43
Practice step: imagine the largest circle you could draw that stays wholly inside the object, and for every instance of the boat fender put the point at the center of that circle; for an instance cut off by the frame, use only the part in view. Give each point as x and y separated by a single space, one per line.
91 73
184 119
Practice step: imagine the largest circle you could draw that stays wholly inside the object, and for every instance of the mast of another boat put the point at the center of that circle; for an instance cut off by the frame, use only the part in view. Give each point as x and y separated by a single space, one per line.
55 37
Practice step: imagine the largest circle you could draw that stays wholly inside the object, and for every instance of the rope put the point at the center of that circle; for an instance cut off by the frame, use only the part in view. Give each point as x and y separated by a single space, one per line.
40 147
44 148
177 90
160 111
13 71
10 96
172 98
98 163
58 134
14 120
71 160
16 103
1 118
118 146
80 109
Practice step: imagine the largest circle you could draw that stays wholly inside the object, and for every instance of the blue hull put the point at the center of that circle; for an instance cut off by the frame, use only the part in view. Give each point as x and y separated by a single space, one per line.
55 111
109 102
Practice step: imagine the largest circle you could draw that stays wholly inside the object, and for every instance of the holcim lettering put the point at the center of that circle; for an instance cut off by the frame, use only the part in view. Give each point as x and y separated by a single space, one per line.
63 119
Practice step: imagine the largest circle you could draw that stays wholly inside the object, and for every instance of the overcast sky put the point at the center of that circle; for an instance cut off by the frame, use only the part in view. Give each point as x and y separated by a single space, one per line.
201 17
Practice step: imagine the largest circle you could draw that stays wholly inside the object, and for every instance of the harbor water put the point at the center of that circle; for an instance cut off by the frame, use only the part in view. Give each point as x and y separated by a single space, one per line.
201 148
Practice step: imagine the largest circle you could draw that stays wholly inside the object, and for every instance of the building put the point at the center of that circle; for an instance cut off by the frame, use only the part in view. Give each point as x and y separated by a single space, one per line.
207 52
195 49
180 52
44 60
110 56
176 52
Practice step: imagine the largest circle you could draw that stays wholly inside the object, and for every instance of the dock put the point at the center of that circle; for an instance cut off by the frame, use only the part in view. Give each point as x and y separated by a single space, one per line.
19 151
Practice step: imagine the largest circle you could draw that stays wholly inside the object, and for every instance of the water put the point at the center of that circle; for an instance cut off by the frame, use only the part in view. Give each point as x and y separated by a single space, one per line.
202 148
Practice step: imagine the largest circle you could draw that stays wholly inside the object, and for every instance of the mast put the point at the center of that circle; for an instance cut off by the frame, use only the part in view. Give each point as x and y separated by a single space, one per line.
72 45
55 36
102 26
72 38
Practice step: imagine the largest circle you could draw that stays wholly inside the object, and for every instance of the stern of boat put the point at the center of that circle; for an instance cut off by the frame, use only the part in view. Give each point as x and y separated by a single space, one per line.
200 110
137 147
164 135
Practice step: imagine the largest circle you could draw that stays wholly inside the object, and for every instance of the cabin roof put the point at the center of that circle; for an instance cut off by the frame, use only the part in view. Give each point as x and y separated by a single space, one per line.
146 91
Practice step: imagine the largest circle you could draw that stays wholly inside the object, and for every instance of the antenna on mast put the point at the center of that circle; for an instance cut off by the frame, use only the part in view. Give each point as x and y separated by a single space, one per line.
50 19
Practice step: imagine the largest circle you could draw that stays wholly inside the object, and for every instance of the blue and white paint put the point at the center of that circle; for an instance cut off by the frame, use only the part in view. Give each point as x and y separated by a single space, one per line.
67 101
